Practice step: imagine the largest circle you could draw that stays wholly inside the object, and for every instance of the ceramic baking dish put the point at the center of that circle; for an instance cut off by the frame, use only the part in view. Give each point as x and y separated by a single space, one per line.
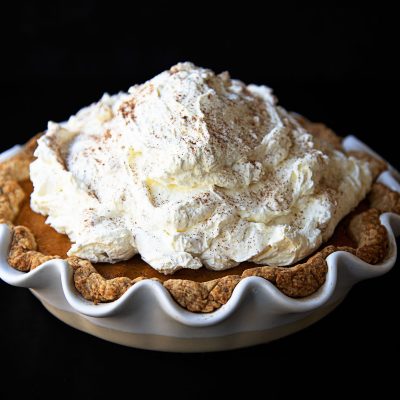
147 317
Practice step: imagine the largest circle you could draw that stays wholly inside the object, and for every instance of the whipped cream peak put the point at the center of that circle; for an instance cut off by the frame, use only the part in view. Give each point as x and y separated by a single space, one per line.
192 168
203 126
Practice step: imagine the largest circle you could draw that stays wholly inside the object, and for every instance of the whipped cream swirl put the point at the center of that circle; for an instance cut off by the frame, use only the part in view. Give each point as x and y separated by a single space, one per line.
189 169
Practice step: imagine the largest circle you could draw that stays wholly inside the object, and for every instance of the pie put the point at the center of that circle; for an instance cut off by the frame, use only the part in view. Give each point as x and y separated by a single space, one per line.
34 242
197 181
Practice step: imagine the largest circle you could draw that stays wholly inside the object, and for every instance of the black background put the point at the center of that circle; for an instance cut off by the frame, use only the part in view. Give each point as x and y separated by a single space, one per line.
336 65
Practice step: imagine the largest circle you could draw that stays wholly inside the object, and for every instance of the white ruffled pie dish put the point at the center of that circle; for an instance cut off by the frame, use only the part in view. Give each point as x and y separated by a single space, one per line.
147 317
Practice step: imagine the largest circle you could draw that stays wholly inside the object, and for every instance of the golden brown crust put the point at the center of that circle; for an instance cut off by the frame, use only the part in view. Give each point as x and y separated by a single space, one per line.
371 236
11 195
266 272
202 296
377 166
303 279
298 281
384 199
13 170
23 255
17 167
92 286
328 250
271 273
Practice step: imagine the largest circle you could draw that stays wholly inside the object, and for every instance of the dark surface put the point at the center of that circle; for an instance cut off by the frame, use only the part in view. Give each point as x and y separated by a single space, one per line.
332 65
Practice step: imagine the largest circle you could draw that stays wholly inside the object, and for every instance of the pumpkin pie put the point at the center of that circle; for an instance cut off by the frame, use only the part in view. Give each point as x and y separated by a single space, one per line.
198 290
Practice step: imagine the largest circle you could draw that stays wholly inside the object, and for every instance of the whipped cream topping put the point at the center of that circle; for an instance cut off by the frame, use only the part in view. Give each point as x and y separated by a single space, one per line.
189 169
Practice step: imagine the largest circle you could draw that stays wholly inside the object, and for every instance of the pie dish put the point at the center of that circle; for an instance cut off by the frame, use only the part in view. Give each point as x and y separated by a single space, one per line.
146 316
34 243
283 298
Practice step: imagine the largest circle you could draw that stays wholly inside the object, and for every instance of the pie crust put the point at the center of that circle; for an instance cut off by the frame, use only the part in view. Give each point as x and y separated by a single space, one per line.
34 242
